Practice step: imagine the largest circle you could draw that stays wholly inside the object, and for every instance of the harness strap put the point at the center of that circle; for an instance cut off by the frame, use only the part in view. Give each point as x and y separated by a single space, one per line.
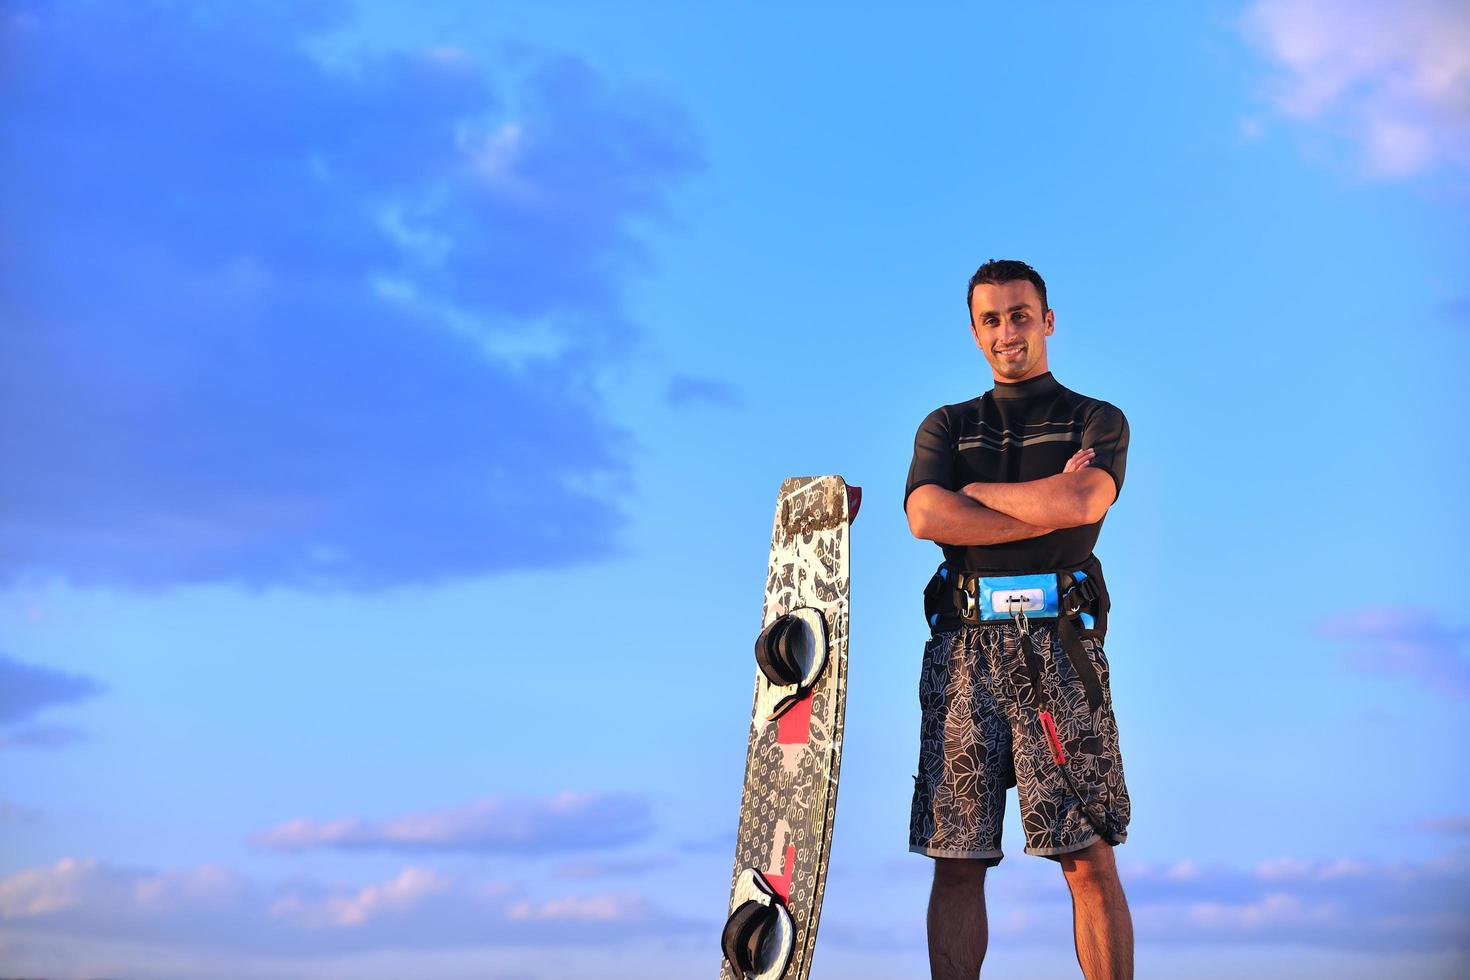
1034 667
1081 666
1092 811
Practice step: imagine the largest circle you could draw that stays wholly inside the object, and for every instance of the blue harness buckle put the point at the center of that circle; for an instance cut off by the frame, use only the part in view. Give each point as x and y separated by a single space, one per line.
1000 597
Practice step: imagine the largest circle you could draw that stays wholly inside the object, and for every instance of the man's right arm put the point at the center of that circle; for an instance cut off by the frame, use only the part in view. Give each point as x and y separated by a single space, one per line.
944 517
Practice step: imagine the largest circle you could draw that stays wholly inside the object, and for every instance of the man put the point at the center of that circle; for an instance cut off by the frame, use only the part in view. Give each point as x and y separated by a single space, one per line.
1014 684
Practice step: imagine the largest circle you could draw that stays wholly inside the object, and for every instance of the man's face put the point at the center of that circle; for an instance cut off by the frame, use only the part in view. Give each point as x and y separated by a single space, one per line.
1011 328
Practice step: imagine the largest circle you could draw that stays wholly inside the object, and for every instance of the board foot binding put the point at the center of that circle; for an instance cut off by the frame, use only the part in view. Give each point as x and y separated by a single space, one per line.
759 936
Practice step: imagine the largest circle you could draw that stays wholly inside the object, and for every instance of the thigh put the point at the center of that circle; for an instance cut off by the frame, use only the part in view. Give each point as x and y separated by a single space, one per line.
964 754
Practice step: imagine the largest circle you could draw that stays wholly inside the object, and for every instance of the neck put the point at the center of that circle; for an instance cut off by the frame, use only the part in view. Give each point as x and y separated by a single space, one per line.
1033 384
1035 372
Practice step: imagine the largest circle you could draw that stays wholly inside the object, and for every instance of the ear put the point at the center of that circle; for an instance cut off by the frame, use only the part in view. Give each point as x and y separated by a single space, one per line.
975 333
1050 316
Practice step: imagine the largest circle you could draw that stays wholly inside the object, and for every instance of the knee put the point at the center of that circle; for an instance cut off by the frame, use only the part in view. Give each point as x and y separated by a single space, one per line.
959 872
1091 869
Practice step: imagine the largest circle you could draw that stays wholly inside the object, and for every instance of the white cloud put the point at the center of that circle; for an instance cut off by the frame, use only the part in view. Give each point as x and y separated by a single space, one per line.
43 891
411 888
619 907
215 908
1392 78
1342 904
555 824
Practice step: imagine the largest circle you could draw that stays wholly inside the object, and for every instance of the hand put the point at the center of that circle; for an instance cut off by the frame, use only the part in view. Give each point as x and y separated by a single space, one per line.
1079 461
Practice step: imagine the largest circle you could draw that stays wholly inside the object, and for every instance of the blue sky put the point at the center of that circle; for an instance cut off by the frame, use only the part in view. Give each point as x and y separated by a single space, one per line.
396 396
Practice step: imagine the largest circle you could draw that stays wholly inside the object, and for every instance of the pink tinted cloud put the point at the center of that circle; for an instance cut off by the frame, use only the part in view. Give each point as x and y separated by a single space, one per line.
1409 641
1394 79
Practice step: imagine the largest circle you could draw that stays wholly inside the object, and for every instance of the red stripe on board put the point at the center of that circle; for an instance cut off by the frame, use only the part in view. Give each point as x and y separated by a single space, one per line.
781 883
795 726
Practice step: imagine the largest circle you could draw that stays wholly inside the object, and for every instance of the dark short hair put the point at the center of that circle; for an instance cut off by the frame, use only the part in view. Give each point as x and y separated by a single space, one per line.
997 271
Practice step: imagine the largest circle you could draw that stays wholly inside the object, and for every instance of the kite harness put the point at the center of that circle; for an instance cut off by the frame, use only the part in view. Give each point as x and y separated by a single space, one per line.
1075 600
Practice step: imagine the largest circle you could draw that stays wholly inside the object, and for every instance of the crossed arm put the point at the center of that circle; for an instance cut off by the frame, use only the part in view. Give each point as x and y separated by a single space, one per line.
994 513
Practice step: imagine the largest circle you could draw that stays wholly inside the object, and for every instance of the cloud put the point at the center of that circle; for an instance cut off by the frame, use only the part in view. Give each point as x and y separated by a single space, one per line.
626 867
41 737
210 907
1412 642
1392 78
1458 826
716 843
26 690
16 813
1457 309
268 320
1344 904
568 822
685 389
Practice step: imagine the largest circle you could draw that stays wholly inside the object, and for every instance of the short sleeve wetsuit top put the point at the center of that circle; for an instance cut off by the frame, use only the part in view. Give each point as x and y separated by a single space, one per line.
1014 433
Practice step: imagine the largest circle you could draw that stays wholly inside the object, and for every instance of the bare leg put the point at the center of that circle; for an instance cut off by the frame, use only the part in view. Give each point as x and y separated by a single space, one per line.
1100 919
958 932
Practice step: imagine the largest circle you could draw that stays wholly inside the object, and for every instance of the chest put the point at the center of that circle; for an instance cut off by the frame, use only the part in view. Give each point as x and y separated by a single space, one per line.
1013 446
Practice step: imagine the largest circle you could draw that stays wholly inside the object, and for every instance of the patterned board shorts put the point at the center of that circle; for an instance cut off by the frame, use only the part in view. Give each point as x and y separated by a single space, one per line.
981 734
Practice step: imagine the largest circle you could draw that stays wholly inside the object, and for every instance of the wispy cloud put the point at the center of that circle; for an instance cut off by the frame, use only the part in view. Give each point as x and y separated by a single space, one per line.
1344 904
16 813
622 867
26 690
1394 79
278 322
568 822
41 736
687 389
1412 642
1458 826
217 908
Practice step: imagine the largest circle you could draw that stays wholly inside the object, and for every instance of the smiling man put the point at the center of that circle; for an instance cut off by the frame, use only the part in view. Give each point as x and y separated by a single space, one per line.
1013 486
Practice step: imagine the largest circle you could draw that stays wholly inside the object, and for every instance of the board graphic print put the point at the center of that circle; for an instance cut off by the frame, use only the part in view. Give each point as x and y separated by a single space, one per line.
795 745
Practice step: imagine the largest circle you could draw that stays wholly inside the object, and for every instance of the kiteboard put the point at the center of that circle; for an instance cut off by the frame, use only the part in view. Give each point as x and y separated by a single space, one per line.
794 751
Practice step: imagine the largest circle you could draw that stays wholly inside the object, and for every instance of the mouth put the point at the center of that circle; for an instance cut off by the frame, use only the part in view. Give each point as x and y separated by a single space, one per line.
1013 351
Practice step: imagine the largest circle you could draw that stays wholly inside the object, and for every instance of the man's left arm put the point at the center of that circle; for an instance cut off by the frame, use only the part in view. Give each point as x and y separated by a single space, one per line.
1064 500
1068 499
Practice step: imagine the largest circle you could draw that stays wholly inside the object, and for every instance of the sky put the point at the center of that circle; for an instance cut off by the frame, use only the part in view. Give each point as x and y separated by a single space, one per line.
395 397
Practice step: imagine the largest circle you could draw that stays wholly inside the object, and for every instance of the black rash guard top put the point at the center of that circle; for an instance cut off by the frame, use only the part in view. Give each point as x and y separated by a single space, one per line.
1011 434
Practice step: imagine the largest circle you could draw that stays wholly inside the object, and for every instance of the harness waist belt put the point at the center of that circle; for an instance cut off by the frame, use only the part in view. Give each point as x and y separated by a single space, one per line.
973 598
